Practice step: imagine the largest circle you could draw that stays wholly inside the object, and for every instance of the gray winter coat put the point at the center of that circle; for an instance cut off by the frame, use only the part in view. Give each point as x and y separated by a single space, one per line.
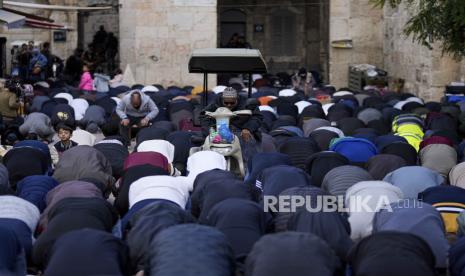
101 83
148 108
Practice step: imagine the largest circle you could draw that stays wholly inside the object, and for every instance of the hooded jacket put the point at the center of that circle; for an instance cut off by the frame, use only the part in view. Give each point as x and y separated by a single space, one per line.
456 258
148 109
12 255
70 189
276 179
72 214
116 154
439 157
457 176
261 161
214 186
418 218
379 193
35 188
319 164
37 123
26 161
414 180
392 253
101 83
208 252
84 162
332 227
382 164
88 252
449 201
292 253
338 180
146 224
154 159
299 149
242 221
94 114
282 218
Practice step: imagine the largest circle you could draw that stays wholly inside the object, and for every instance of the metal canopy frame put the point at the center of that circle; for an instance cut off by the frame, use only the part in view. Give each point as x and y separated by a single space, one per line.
206 61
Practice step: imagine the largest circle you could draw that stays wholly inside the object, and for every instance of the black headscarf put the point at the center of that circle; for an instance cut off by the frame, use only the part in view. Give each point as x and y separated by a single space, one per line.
392 253
332 227
319 164
292 253
88 252
130 176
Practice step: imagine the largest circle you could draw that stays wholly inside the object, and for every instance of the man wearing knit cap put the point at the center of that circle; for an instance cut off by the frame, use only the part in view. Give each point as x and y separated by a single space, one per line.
248 126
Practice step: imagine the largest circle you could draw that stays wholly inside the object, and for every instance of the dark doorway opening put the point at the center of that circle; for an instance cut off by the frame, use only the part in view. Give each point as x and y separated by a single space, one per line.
2 56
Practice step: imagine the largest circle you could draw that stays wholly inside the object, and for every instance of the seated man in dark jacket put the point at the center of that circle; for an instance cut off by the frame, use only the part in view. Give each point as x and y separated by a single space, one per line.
248 126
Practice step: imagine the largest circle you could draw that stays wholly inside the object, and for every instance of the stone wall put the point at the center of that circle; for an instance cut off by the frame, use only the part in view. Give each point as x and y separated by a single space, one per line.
426 72
310 31
93 20
157 38
61 49
360 22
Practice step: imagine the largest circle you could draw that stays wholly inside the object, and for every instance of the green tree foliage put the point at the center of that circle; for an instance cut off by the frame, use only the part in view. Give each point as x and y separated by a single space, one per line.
433 21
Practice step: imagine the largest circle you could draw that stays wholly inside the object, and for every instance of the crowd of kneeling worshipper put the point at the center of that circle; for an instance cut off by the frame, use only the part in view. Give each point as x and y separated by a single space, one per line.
84 191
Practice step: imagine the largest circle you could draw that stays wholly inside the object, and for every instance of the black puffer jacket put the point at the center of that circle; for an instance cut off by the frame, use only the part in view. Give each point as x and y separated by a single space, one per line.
190 250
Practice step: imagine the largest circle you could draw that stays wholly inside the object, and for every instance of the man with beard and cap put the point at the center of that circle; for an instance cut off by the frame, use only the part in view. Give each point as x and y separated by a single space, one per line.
248 127
135 108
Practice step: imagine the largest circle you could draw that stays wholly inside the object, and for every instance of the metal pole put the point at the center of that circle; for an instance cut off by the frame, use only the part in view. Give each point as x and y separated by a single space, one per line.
1 4
205 89
250 85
